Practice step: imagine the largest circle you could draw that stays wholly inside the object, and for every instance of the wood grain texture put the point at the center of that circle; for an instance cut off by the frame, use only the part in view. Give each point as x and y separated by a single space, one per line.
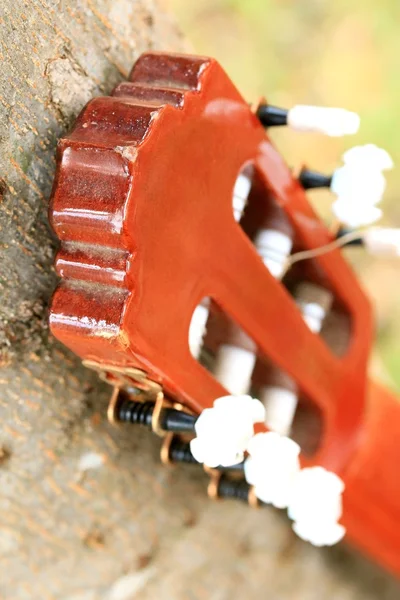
127 527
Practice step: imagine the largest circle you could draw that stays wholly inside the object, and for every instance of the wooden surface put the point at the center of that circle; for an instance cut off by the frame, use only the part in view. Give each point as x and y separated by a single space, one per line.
126 527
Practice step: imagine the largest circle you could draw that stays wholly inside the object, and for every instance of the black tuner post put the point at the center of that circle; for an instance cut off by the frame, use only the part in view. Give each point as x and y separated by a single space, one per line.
141 413
312 179
354 242
172 421
272 116
238 489
179 452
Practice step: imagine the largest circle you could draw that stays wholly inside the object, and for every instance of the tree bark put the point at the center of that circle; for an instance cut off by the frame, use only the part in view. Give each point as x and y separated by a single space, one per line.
86 510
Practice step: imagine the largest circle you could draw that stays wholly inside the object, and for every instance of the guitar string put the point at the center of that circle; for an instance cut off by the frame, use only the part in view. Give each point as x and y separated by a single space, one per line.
314 252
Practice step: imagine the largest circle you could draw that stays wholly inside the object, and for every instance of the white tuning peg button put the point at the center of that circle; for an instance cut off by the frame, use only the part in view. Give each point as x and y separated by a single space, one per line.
355 216
272 467
224 431
315 506
382 241
360 184
334 122
368 155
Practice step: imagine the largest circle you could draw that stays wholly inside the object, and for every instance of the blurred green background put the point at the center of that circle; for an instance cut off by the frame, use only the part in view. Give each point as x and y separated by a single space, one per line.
342 53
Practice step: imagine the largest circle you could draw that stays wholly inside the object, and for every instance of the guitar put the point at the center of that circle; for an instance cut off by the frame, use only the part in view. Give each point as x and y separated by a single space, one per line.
178 221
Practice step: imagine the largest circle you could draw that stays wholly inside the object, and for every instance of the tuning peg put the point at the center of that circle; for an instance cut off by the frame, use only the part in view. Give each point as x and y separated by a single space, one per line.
315 506
362 173
141 413
314 180
334 122
359 184
223 431
271 467
380 241
177 450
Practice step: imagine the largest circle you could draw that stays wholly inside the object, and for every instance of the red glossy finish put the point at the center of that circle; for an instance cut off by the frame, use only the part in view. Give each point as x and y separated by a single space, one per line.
142 204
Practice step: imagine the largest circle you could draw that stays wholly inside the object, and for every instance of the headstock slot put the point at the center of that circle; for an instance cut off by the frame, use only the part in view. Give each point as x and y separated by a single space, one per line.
337 327
221 331
263 211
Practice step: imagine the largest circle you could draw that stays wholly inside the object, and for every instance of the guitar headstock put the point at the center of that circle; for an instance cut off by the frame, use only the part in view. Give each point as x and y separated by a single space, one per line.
149 206
143 208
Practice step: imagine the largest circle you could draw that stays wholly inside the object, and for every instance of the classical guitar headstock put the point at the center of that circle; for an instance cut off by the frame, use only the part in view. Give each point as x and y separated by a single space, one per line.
180 224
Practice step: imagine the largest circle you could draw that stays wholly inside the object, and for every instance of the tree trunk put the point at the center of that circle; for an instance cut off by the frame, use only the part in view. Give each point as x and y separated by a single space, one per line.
86 510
